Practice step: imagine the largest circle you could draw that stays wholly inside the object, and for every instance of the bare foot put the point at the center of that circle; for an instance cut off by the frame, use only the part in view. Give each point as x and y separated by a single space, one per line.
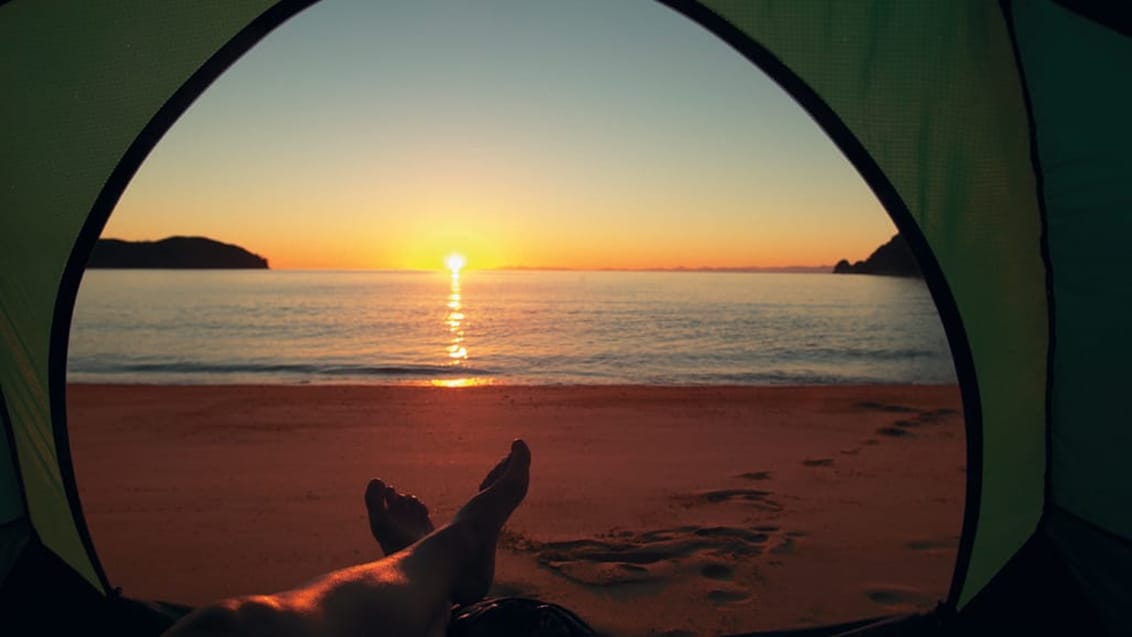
395 520
478 522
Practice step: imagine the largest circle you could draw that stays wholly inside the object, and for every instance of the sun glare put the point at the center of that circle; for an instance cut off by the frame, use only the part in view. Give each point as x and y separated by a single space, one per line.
455 262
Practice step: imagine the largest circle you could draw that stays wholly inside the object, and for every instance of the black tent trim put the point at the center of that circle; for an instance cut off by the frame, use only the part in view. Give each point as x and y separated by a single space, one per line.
1047 260
104 204
803 94
1114 15
855 152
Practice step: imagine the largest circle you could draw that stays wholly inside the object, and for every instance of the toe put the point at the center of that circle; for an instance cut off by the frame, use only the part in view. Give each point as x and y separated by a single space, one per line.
416 508
494 474
516 474
400 505
520 454
515 465
375 491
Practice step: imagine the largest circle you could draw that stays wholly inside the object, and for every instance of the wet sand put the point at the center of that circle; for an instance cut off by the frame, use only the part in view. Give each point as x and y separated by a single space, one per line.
652 511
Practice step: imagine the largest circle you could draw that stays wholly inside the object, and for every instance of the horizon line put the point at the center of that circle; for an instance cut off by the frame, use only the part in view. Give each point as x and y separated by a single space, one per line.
678 268
801 269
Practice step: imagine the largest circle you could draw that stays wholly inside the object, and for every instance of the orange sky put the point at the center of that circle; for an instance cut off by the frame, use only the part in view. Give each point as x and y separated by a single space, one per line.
582 136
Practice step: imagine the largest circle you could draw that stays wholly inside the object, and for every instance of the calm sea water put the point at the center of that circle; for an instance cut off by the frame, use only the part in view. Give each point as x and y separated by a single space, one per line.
167 326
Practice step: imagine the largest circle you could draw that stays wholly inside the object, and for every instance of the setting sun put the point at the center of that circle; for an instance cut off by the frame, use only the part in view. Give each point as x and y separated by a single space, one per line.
455 262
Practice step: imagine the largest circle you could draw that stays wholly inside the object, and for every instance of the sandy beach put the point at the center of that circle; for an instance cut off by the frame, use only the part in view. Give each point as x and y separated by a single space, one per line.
652 510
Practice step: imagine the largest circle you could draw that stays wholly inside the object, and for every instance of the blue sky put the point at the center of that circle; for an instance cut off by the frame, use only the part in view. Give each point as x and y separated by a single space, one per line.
366 134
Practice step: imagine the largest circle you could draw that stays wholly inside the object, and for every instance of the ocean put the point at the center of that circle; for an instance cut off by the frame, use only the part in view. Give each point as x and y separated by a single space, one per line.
504 327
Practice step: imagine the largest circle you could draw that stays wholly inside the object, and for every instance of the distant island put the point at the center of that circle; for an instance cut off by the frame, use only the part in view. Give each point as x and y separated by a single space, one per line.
894 258
173 253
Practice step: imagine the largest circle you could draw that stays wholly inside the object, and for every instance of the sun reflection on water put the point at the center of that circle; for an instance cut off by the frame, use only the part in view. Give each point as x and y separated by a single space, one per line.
456 350
457 353
470 381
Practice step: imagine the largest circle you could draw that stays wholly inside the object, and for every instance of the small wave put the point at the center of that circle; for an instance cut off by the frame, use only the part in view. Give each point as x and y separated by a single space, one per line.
845 354
297 369
779 378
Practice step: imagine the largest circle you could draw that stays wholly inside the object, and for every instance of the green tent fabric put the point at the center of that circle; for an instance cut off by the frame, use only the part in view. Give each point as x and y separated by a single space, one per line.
1085 169
995 134
941 113
82 95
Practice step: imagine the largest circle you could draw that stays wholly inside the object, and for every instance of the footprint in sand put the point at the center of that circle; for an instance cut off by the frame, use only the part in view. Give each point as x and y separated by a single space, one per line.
602 574
649 556
755 497
716 570
934 545
727 595
901 428
935 415
894 432
755 475
786 547
897 597
886 407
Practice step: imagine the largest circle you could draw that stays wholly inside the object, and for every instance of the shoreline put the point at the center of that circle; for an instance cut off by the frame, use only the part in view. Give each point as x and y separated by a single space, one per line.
709 508
459 385
529 385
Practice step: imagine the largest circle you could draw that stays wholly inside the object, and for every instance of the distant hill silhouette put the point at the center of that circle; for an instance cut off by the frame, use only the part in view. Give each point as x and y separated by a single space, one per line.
173 252
894 258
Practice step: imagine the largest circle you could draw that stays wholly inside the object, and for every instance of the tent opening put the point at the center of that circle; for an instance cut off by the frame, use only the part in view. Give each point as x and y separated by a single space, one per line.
613 237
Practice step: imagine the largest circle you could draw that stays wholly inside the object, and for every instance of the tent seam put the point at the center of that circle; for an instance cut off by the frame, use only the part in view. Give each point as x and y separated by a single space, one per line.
1047 260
